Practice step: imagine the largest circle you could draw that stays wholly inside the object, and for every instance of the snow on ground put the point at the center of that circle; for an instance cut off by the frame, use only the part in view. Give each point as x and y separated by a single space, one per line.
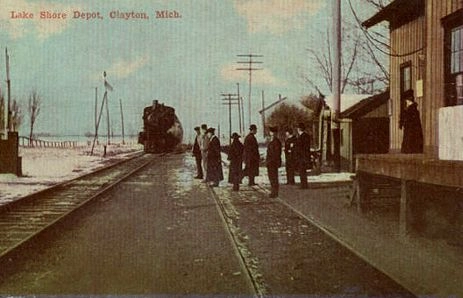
43 167
262 179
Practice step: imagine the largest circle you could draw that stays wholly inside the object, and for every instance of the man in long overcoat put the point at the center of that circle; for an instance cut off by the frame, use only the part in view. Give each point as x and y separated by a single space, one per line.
290 156
214 159
273 161
235 156
410 121
203 145
302 154
251 155
197 154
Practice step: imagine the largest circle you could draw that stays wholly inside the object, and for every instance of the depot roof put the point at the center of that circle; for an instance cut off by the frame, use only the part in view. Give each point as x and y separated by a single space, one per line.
397 13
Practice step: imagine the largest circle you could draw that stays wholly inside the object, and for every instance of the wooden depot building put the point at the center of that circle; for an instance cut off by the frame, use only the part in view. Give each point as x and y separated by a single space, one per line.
426 56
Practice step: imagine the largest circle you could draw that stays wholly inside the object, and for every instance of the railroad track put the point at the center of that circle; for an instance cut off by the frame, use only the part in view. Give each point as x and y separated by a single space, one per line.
246 262
241 247
24 219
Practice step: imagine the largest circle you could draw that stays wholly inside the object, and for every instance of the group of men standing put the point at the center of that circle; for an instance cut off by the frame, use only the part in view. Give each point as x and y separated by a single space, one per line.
206 150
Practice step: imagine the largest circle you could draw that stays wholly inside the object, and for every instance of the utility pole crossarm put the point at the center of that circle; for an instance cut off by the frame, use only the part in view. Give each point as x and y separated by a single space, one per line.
250 69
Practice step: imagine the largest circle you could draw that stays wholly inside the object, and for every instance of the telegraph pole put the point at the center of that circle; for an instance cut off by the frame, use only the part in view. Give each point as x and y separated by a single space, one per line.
107 88
337 83
263 115
250 69
108 123
8 85
96 111
122 121
239 106
229 97
110 88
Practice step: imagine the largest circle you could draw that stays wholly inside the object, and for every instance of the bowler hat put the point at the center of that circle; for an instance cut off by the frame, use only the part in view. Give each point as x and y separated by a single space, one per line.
301 125
252 127
204 126
409 95
210 130
235 135
197 128
273 129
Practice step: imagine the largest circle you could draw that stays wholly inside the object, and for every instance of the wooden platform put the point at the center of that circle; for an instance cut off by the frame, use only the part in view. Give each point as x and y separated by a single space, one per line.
399 176
413 167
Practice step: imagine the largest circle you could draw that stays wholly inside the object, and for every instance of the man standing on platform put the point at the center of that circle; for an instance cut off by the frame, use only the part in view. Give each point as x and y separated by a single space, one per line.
302 154
214 159
235 156
290 157
197 154
273 161
251 155
203 145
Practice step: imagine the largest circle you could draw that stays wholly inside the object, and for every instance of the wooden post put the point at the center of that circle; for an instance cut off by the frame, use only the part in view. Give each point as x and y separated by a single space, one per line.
404 203
122 121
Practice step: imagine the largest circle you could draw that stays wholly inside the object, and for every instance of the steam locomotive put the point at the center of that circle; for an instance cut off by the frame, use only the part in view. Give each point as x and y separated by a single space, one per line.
162 131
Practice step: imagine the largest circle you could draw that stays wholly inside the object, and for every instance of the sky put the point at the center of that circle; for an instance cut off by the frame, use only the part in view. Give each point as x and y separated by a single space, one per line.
185 62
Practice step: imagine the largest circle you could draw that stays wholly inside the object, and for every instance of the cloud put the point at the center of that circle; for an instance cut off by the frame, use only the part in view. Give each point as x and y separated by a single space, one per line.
261 77
43 29
276 16
123 68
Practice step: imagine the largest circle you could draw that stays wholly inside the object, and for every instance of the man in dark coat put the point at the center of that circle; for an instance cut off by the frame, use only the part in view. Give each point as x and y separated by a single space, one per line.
302 154
197 154
273 161
235 156
410 121
203 144
214 172
251 155
290 158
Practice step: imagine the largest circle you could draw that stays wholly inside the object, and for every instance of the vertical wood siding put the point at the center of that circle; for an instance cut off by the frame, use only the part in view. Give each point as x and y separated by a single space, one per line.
434 85
405 39
425 32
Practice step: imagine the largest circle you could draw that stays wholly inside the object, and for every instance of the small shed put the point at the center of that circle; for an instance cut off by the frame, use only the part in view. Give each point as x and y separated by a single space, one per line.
364 129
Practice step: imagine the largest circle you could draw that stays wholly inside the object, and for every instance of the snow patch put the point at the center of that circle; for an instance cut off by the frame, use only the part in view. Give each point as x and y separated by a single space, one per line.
44 167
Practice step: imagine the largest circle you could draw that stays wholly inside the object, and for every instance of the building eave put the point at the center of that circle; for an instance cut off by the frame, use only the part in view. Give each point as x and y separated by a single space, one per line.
366 105
398 11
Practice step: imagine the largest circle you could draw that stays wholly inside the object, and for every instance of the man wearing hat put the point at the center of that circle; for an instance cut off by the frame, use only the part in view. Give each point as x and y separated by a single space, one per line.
197 153
290 157
410 121
302 149
214 173
273 161
235 156
203 146
251 155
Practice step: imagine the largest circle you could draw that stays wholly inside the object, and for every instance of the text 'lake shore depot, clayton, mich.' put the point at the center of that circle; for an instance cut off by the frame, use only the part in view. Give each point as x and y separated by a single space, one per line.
94 15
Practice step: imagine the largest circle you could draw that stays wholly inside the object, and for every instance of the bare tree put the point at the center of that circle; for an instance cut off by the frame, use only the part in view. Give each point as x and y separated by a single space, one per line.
33 109
364 68
16 115
287 117
321 57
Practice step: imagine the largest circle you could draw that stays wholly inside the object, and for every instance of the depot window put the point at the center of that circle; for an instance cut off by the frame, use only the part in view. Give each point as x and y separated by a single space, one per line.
453 47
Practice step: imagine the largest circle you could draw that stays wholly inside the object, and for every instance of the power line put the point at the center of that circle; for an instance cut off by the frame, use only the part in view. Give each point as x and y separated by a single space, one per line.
373 40
250 69
230 97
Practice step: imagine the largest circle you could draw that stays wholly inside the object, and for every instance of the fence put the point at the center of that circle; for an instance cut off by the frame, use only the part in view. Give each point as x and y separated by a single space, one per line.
28 142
